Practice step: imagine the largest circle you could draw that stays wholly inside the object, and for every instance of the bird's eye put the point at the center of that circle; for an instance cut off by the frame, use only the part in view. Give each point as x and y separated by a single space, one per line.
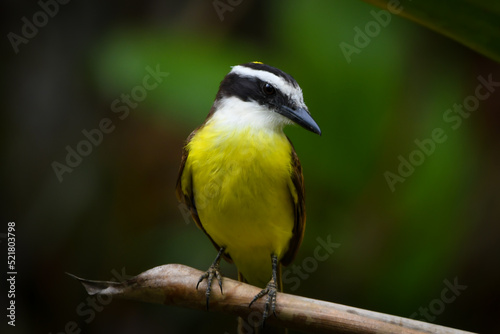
268 89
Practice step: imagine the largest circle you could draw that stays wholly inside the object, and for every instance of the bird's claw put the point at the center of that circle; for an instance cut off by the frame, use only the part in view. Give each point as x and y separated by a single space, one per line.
271 292
213 271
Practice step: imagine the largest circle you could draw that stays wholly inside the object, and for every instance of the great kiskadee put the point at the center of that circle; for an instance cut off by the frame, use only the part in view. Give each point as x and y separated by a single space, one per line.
242 180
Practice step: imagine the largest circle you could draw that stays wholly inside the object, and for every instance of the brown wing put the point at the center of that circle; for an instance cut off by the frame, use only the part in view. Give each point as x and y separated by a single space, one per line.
297 187
185 195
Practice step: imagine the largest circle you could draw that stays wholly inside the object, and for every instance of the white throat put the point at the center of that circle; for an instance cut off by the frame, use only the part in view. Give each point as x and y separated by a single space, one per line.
232 113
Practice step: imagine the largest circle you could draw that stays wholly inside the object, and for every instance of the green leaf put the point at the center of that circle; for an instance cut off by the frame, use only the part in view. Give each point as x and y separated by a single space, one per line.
473 23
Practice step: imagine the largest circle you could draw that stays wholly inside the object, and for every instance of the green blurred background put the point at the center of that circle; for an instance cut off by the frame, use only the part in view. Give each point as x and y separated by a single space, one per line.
117 210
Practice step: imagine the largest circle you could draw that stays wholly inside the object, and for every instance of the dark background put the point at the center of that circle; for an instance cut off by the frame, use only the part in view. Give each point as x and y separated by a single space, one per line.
117 212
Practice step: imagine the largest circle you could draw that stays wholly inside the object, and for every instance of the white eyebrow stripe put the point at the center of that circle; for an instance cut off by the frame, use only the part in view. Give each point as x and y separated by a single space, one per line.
279 83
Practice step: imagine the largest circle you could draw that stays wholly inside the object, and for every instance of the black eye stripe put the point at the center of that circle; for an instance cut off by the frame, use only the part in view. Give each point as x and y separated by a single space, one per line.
253 89
268 89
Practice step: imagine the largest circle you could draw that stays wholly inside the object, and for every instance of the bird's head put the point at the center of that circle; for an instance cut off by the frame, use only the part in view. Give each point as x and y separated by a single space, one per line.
259 95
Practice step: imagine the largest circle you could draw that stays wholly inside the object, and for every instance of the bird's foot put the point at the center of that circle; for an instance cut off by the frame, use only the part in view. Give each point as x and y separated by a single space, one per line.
212 272
271 291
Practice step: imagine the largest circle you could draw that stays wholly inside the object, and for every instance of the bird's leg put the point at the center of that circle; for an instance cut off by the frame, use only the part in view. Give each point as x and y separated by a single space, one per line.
213 271
271 290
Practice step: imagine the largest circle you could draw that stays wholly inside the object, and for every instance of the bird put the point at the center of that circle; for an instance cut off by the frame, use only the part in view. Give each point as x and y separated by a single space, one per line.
242 180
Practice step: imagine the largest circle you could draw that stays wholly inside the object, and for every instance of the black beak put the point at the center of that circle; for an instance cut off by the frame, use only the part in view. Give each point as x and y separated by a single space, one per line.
300 116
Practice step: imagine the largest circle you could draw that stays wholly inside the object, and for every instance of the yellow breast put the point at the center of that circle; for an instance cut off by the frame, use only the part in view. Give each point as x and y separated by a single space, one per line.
240 181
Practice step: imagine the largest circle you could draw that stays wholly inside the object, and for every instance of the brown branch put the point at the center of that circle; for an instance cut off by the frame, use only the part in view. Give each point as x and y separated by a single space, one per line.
175 284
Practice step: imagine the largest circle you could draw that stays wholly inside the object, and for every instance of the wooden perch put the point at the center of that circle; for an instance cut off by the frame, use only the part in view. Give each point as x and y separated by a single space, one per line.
175 284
